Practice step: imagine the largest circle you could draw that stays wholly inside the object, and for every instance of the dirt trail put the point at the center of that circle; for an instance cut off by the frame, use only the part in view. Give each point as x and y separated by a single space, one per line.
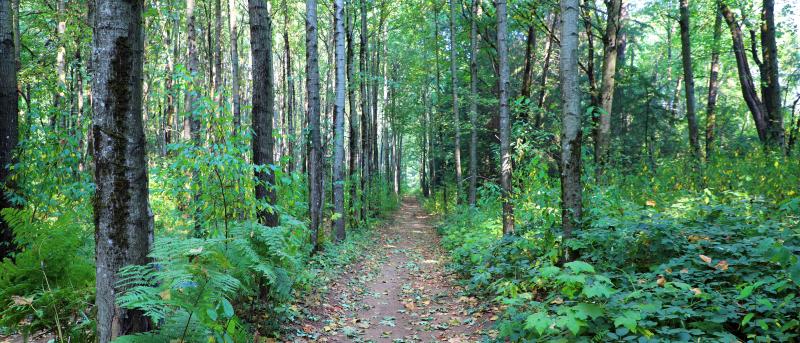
401 292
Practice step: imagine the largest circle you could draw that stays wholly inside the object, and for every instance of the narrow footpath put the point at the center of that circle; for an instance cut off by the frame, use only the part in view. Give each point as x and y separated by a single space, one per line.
400 292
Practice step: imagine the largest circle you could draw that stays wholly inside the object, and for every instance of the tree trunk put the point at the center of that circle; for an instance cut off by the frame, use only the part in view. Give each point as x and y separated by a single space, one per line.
61 64
545 72
365 129
290 101
456 119
191 124
688 78
354 135
338 119
234 33
530 55
122 224
263 106
754 104
218 86
9 119
315 152
603 132
571 188
713 86
473 103
505 125
770 84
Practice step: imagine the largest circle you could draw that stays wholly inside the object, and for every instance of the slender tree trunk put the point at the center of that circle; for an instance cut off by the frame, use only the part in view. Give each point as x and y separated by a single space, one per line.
315 152
263 103
530 55
602 139
473 102
290 102
338 119
545 72
713 87
456 119
770 84
61 63
571 188
218 86
354 135
191 124
754 104
688 76
9 120
234 33
365 129
122 223
505 125
169 83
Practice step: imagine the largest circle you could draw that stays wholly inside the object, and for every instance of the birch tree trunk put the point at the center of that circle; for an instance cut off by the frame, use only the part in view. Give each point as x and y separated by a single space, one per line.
571 188
122 224
505 124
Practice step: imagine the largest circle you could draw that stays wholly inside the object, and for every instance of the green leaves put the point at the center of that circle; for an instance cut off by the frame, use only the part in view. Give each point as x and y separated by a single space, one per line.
538 321
628 319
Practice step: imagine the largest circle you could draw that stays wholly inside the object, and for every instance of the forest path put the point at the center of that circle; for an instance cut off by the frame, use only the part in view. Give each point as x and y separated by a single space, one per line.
401 292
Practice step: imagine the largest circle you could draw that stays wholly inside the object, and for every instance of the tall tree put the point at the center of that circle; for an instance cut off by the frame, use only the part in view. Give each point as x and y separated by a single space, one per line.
354 135
688 78
122 224
9 116
263 106
571 188
770 84
233 30
61 62
315 152
454 85
713 84
338 119
191 122
603 131
290 101
473 102
505 124
365 128
217 86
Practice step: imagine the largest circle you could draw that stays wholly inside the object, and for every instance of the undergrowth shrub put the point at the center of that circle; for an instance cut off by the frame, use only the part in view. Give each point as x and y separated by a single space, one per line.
657 261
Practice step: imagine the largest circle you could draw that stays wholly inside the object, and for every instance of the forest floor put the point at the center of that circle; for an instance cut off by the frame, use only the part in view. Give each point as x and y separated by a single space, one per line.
399 292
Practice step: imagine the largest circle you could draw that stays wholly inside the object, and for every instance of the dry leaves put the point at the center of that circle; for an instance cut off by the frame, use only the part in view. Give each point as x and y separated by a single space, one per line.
705 259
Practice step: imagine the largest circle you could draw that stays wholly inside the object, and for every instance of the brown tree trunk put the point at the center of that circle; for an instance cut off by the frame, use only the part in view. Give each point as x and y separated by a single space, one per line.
9 119
122 224
603 132
290 101
530 55
688 78
505 122
571 188
365 128
545 72
263 103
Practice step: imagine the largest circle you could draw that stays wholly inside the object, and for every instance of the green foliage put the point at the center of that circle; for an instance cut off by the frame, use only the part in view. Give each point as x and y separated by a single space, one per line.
51 282
657 261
